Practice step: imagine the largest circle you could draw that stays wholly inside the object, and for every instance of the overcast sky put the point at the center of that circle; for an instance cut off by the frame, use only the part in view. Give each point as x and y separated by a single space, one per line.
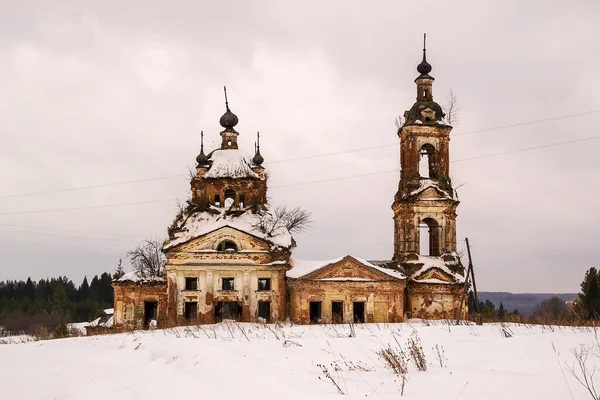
117 91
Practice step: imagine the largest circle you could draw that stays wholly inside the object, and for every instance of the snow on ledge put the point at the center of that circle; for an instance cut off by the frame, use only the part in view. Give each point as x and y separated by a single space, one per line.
134 277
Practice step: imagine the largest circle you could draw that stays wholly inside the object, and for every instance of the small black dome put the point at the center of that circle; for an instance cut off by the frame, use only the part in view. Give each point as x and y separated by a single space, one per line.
202 159
228 120
258 158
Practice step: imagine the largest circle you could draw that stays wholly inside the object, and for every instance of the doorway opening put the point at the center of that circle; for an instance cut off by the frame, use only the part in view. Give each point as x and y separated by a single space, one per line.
337 312
264 311
359 312
227 310
315 312
150 311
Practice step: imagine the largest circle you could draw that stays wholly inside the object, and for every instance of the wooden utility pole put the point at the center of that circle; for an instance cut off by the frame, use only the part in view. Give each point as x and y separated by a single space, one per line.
469 275
473 278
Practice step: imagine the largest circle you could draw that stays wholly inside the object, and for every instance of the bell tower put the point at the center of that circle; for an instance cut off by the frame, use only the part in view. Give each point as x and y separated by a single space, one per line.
425 206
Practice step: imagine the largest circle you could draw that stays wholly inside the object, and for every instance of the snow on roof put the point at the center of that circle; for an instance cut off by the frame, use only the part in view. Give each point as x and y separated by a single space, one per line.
109 311
430 262
303 267
133 276
230 163
427 183
203 222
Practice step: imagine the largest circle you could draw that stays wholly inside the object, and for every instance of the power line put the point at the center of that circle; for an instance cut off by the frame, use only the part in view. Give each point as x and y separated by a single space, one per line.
70 230
306 183
68 236
528 149
91 186
88 207
538 121
311 157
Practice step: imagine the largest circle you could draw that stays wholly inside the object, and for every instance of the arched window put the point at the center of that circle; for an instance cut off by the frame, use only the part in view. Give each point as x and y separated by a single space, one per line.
427 166
227 246
242 200
429 237
229 198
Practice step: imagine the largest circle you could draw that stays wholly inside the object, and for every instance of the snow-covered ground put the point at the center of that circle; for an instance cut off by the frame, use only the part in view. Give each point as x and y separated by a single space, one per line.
252 361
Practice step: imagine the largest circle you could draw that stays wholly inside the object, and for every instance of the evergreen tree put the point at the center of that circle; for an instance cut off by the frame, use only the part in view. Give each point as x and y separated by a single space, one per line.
589 296
59 299
29 290
471 302
119 272
501 311
84 290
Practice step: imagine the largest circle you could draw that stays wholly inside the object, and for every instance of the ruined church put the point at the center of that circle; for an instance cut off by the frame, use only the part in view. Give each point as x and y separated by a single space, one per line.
229 256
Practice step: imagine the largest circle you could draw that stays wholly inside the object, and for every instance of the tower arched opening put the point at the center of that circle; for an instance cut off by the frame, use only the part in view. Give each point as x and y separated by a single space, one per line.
229 199
429 238
427 165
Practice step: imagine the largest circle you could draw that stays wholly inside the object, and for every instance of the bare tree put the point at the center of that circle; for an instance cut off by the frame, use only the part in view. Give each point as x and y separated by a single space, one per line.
148 259
453 109
294 219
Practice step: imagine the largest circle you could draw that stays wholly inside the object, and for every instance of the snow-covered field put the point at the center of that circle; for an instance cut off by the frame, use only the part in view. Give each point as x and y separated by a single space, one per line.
251 361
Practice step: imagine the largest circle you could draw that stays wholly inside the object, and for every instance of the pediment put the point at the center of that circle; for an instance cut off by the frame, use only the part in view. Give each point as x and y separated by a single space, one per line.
211 240
431 193
348 268
435 273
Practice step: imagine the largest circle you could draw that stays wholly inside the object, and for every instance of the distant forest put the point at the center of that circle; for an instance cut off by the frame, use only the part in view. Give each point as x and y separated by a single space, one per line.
525 303
25 305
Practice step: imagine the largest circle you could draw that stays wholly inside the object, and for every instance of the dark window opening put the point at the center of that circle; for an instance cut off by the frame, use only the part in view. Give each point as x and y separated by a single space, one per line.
429 238
228 310
427 165
264 311
191 311
217 200
228 284
337 312
315 312
359 312
150 311
242 200
264 283
227 246
229 199
191 283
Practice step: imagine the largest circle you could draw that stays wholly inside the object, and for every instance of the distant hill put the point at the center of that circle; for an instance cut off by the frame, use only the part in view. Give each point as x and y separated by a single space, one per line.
524 302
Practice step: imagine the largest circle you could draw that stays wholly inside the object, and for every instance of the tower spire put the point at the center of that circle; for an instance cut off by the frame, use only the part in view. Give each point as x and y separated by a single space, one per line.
228 121
258 158
202 159
226 102
424 68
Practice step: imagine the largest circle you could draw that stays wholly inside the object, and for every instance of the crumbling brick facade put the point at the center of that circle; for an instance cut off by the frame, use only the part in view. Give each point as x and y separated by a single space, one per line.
134 304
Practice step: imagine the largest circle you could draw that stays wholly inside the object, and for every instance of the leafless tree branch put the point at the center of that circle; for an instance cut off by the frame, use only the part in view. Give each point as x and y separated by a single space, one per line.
147 258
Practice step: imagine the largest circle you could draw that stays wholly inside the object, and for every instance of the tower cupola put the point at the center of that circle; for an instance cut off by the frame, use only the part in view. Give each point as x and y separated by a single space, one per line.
228 121
425 110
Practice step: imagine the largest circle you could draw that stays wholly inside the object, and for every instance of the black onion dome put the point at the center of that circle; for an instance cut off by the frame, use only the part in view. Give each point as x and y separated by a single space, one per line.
202 159
228 120
258 158
424 67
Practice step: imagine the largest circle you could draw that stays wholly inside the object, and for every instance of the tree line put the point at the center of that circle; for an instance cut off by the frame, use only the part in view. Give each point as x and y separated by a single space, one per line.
25 305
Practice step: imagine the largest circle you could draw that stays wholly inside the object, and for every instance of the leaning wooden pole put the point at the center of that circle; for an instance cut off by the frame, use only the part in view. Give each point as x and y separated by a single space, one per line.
464 292
472 269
